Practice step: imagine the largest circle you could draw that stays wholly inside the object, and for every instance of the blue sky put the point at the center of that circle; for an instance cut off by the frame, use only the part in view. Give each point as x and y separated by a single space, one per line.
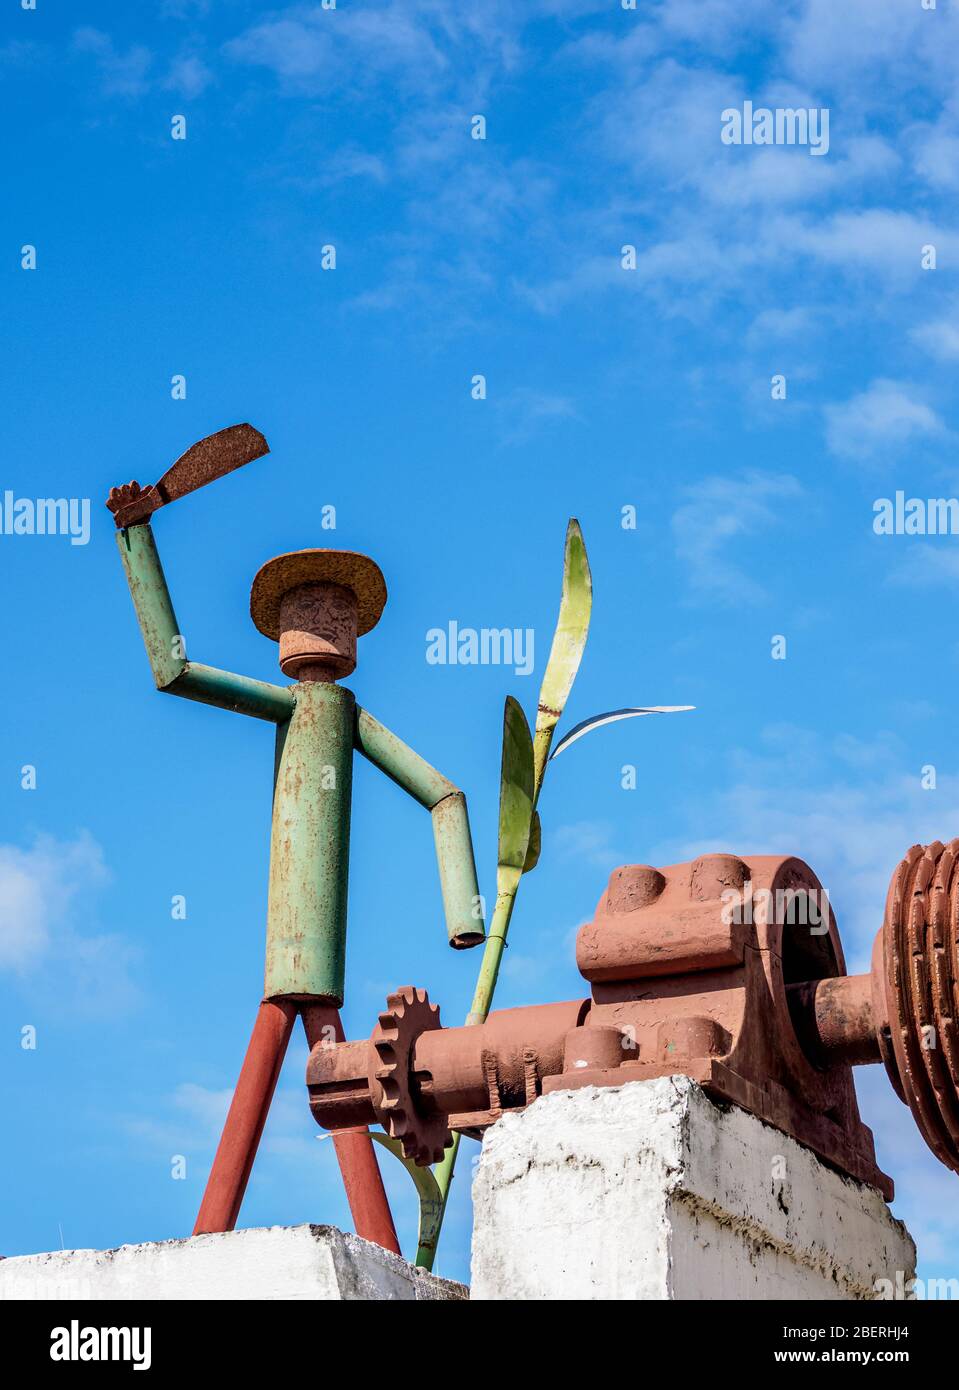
606 388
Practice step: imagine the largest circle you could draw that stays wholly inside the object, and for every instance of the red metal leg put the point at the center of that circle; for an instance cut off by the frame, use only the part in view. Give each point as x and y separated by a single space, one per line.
362 1179
244 1123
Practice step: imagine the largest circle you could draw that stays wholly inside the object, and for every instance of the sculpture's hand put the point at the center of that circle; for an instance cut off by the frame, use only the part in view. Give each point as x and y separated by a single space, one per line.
131 503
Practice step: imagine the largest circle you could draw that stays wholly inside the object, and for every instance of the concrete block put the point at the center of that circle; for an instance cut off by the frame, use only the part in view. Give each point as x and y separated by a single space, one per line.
318 1263
651 1191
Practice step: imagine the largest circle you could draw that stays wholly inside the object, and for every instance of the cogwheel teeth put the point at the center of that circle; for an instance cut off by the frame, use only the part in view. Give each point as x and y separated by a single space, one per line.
408 1014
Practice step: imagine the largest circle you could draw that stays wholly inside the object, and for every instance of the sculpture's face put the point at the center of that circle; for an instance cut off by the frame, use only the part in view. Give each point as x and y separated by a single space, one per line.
318 632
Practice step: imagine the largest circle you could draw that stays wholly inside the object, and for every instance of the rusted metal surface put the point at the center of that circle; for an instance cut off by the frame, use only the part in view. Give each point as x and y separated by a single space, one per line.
835 1019
132 504
210 458
407 1016
681 931
347 568
318 625
310 848
447 1076
247 1115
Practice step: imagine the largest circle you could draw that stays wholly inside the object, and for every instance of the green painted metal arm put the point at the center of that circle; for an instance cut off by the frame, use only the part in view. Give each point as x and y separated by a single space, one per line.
462 904
174 675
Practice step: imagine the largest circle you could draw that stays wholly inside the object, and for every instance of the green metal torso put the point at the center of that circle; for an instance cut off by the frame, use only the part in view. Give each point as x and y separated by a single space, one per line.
310 846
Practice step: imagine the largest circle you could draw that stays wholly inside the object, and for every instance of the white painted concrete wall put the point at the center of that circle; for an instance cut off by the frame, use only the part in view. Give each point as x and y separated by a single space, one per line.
649 1191
275 1262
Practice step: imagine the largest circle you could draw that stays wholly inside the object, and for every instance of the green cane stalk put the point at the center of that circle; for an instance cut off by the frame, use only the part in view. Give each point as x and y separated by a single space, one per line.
429 1194
521 778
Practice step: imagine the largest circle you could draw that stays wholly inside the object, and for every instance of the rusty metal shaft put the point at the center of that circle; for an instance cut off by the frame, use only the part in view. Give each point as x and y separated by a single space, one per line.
458 1072
835 1020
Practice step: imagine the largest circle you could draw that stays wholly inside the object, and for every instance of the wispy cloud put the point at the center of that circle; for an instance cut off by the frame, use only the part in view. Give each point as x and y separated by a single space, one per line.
123 72
188 1120
309 48
876 423
710 524
926 565
188 75
939 337
592 842
523 412
45 892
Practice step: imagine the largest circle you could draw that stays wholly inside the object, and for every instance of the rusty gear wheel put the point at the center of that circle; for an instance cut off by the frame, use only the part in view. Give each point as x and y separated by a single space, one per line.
393 1087
920 992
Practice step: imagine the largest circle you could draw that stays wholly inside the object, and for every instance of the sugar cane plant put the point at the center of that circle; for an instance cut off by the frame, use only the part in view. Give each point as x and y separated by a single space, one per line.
523 766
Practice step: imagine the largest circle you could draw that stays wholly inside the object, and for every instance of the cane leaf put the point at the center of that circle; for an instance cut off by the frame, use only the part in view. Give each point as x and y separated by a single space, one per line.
515 797
569 640
535 844
597 721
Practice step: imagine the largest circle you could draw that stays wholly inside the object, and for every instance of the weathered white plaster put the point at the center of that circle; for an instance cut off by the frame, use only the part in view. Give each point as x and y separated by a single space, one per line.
650 1191
264 1262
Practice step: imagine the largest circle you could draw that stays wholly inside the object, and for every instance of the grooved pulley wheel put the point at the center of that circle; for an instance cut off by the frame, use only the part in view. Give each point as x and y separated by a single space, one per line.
920 991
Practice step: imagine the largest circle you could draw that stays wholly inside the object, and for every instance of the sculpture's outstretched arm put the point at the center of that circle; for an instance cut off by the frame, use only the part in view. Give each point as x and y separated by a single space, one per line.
166 648
462 904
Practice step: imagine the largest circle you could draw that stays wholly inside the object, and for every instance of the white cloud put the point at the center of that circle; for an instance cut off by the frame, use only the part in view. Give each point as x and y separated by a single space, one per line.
122 72
523 412
936 155
588 841
37 889
939 338
709 525
886 417
294 49
188 75
926 565
309 48
871 44
778 325
44 891
189 1121
877 240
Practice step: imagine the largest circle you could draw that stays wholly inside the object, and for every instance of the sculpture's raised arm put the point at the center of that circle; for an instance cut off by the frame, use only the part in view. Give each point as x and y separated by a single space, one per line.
132 507
166 646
